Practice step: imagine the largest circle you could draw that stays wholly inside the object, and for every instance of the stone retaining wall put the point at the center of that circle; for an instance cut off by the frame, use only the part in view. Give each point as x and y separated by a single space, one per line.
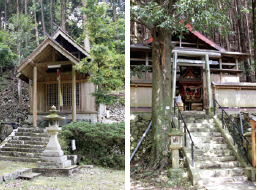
117 112
138 125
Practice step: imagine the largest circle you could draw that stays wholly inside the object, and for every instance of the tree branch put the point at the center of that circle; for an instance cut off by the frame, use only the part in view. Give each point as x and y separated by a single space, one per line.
141 40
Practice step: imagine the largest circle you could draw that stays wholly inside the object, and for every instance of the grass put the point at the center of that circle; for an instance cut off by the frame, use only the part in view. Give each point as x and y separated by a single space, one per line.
9 167
84 178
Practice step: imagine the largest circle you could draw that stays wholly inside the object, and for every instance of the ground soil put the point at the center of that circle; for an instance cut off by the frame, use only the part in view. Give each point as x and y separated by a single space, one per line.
84 178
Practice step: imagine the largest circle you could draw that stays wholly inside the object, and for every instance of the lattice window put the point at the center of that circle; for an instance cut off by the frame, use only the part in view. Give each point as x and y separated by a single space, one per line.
52 94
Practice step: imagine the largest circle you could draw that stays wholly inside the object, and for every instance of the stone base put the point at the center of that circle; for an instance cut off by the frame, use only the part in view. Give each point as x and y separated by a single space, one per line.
56 172
54 165
250 172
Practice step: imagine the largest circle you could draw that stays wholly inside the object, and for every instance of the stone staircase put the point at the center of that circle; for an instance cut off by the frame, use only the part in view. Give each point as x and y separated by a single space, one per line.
27 145
214 160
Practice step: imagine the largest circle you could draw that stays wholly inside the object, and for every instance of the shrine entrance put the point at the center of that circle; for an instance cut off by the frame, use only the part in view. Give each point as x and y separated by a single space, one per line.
190 87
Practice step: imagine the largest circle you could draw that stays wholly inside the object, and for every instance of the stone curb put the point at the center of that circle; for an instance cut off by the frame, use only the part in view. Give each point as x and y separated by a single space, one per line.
8 138
14 175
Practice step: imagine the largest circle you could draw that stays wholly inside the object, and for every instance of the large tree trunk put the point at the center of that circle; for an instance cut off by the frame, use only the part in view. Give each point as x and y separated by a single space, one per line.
161 95
43 20
114 11
254 28
51 16
35 18
63 19
242 40
86 39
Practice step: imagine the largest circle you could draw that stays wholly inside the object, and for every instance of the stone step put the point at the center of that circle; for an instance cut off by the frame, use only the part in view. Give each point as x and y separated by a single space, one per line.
205 134
216 164
202 129
32 130
28 134
29 176
214 158
237 185
20 154
218 180
12 145
211 140
213 153
199 125
28 142
208 146
204 121
224 172
30 150
19 159
41 139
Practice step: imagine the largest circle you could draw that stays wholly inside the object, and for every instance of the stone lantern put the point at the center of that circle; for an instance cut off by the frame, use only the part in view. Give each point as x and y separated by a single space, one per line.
175 144
53 155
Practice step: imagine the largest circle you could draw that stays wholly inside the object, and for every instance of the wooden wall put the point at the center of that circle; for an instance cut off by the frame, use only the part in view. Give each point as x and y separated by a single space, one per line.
224 77
87 101
229 97
140 96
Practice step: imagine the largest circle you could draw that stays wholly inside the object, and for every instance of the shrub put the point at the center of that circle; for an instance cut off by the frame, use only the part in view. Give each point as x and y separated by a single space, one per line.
99 144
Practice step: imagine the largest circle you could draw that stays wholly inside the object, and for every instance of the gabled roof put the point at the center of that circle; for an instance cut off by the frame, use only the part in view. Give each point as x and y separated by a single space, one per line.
50 51
203 38
65 35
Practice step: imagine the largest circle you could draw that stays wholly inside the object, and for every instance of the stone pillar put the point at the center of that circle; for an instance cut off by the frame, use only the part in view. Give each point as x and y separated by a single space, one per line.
34 95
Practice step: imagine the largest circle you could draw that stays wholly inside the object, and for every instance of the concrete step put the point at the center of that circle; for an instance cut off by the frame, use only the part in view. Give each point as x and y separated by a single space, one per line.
211 140
218 180
28 134
224 172
214 158
28 142
20 154
238 185
29 150
29 176
199 125
32 130
213 153
41 139
30 146
205 134
19 159
208 146
216 164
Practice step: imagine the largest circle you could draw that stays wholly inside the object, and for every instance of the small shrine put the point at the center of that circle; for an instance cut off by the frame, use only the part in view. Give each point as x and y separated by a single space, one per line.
190 88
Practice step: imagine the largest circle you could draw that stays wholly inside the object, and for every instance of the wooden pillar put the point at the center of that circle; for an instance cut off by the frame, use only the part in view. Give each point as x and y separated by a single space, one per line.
208 80
174 76
73 94
34 95
236 63
135 95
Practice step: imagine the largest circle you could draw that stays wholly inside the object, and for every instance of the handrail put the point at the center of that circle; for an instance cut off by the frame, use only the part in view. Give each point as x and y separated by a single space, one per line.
142 138
185 130
234 126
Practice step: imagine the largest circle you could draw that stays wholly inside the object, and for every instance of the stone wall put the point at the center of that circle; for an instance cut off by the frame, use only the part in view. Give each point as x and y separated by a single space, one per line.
138 126
117 112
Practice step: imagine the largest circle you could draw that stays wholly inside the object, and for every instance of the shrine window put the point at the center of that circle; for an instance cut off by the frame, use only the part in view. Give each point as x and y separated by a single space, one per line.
66 89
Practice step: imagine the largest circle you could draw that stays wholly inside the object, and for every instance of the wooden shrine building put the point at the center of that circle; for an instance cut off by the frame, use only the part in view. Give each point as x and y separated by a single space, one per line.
39 69
202 70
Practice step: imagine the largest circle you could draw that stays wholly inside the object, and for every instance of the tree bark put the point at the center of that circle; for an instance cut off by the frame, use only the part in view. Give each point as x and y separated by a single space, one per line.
51 16
43 20
161 95
35 18
25 7
114 11
86 39
63 19
254 28
242 40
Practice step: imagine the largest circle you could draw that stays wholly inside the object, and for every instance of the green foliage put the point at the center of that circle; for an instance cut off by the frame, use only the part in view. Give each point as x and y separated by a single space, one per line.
99 144
201 14
106 62
138 71
7 57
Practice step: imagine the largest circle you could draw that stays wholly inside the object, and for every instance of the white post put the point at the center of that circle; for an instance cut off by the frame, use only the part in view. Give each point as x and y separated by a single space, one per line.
174 76
208 78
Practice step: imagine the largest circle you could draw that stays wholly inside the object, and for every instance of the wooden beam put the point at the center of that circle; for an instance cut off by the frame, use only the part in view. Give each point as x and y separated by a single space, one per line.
208 80
62 74
45 64
174 78
41 71
73 94
34 96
